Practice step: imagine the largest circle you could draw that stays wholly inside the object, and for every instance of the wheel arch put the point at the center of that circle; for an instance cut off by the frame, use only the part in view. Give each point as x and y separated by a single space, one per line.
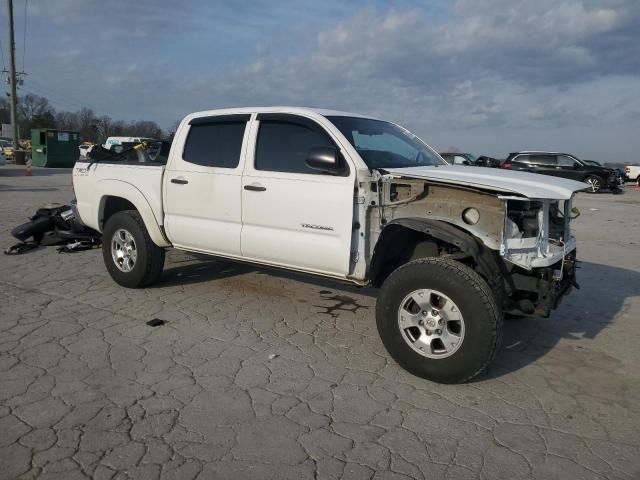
116 196
403 232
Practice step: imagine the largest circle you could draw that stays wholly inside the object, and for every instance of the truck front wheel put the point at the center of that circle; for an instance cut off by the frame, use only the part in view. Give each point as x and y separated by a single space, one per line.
439 320
131 257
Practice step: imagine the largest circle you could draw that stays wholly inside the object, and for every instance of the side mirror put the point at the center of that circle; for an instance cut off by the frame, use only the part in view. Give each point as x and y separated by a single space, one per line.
324 159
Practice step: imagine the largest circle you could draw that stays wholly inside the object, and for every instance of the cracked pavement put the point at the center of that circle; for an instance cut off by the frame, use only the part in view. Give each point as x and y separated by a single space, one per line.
265 374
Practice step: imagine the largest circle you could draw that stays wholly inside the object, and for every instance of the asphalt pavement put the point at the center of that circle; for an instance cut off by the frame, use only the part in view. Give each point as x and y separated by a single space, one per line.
231 371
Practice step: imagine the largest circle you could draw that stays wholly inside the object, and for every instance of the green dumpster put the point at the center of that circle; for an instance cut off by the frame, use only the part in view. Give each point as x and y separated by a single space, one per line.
54 148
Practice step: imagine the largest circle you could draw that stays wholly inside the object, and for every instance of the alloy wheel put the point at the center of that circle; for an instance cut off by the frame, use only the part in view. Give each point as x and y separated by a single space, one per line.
431 323
123 250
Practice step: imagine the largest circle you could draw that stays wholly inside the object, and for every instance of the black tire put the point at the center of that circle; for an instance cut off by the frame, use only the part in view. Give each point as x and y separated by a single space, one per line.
595 182
150 258
475 301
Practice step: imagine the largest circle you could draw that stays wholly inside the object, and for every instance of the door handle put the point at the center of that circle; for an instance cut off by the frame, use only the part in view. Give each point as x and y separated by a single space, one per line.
255 188
179 181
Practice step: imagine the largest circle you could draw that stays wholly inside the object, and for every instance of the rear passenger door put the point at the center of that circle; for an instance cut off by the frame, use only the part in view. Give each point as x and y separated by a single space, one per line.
202 185
546 164
294 216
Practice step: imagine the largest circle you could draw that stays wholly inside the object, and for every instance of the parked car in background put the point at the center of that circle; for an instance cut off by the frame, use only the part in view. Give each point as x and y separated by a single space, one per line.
4 144
620 173
469 159
564 165
116 141
486 161
633 173
459 158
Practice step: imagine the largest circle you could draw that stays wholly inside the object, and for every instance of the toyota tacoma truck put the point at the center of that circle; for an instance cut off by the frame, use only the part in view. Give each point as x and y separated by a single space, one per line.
352 198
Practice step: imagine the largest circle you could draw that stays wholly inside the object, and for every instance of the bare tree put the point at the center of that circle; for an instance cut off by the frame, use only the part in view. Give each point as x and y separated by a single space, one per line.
171 132
146 128
31 106
35 111
67 121
88 124
105 125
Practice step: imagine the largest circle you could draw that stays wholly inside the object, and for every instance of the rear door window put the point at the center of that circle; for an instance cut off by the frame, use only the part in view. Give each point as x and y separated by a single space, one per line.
215 144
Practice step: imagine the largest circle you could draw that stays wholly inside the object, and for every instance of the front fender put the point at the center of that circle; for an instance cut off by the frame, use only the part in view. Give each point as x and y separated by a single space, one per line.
118 188
488 261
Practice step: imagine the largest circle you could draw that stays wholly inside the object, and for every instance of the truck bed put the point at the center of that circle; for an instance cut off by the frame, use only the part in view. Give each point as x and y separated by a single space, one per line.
95 181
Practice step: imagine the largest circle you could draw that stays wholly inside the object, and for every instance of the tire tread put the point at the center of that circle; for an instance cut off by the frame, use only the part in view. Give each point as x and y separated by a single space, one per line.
475 281
154 260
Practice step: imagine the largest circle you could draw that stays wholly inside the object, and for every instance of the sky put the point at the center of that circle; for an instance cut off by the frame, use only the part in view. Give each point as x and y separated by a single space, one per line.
483 76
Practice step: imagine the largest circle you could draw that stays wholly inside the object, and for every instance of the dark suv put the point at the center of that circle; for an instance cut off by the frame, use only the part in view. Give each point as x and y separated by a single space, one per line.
563 165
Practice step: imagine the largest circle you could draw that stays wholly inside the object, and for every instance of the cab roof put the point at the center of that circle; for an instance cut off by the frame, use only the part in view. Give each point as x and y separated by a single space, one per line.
305 111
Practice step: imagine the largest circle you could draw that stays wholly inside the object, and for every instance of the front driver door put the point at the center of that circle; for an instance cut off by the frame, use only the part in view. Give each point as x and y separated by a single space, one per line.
294 216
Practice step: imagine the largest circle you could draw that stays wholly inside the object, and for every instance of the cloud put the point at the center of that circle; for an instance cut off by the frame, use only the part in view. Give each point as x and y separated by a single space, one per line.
499 65
515 64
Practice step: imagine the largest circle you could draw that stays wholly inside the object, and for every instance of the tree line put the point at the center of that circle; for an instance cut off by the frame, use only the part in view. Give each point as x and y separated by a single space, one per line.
35 111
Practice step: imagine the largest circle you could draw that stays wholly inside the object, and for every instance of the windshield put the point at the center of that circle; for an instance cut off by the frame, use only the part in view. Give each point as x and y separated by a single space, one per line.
385 145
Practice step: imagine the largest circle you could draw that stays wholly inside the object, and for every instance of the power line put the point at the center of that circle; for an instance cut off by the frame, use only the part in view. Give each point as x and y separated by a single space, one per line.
52 101
69 98
48 93
62 102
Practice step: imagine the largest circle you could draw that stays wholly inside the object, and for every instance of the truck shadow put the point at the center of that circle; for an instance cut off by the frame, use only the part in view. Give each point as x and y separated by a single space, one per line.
582 315
12 188
204 268
199 269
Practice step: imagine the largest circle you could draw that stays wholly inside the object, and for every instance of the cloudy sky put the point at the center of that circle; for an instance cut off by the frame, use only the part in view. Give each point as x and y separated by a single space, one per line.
485 76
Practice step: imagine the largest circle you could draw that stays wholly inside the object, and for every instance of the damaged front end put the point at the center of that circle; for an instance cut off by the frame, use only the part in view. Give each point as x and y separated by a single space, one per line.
540 252
522 246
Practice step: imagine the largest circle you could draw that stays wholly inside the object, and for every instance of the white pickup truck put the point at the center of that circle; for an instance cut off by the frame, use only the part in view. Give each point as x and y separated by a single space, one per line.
352 198
633 173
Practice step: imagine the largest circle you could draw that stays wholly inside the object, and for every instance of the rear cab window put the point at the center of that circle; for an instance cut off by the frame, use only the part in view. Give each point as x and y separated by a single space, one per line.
215 141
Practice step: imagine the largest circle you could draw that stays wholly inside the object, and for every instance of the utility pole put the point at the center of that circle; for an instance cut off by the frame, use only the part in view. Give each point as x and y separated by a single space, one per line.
12 79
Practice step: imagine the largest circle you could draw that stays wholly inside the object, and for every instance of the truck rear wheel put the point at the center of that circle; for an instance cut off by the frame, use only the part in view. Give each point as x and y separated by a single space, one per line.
129 254
439 320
